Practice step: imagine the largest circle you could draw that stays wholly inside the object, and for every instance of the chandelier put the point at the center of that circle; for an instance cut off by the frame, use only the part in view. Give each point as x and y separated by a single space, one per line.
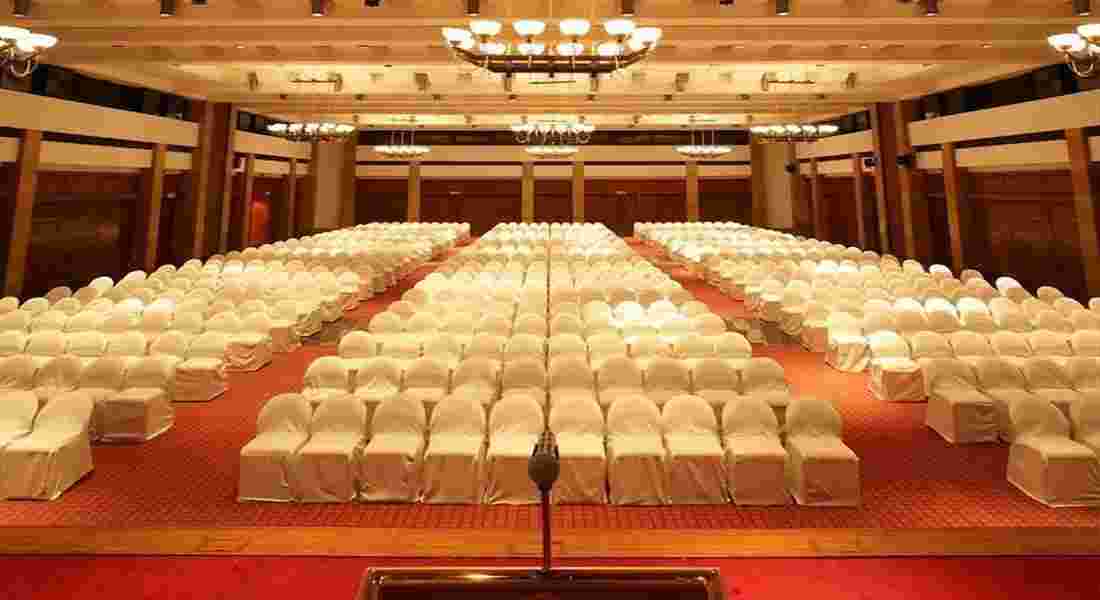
477 45
792 132
20 49
403 144
1081 49
552 139
703 150
312 132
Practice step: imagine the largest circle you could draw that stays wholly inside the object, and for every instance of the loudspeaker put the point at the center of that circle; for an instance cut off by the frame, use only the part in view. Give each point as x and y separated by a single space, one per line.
869 163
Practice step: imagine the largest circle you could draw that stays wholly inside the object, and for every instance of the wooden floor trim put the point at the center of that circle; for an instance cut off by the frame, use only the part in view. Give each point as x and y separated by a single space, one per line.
507 543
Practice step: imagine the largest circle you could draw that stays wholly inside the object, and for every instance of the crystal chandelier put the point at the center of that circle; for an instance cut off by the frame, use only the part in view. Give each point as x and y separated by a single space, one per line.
703 150
1080 49
627 45
20 49
792 132
403 144
552 139
312 132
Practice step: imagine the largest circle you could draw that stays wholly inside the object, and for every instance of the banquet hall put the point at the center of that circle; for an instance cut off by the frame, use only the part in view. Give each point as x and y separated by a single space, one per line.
806 292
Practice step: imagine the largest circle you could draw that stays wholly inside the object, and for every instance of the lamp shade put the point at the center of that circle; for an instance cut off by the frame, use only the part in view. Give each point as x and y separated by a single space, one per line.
1067 42
609 49
485 27
1090 31
529 27
574 27
531 48
570 48
456 35
618 27
647 35
13 33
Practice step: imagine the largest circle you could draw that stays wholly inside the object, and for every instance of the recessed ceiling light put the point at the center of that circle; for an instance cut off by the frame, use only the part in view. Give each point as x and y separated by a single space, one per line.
239 46
865 46
987 45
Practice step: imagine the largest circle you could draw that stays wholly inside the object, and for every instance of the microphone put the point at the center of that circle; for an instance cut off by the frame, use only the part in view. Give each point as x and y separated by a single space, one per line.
543 468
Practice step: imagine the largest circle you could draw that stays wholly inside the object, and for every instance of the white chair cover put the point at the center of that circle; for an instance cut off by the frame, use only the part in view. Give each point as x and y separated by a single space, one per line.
635 452
756 462
695 459
578 425
282 428
54 456
514 426
324 469
822 470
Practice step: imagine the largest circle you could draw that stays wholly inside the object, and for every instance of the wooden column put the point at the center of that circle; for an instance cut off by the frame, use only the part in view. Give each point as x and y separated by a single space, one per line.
152 196
347 204
758 174
1084 201
578 191
911 187
953 192
226 142
692 168
245 203
794 177
817 200
21 209
860 195
527 193
884 135
285 222
413 211
189 231
306 208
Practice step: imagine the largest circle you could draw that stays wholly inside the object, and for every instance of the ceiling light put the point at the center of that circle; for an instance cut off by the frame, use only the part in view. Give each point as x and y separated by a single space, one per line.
574 27
646 35
167 8
618 27
473 8
609 49
20 49
627 8
485 27
317 8
725 2
454 35
1082 8
782 8
531 48
931 8
20 8
312 132
570 49
492 48
372 3
529 27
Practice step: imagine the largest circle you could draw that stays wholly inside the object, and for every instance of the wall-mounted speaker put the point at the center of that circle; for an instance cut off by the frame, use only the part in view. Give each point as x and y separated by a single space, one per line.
869 163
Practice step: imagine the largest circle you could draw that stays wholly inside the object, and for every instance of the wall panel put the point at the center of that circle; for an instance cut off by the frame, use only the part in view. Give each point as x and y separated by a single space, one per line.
620 203
839 210
480 202
380 200
725 200
553 200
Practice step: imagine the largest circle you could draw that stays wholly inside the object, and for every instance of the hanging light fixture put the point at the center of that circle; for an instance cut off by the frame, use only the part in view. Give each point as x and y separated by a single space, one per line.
1081 49
702 149
571 54
313 131
403 144
553 138
20 49
792 132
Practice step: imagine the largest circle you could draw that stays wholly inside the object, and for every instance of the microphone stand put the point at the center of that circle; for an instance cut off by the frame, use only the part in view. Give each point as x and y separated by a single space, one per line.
543 468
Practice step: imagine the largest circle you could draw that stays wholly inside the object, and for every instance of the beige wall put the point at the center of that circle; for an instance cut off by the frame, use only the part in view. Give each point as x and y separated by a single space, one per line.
328 184
778 184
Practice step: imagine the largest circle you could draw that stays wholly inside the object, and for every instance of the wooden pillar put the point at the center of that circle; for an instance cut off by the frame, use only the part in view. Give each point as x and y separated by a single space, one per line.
285 223
817 200
347 204
1084 202
226 142
21 209
189 231
578 191
911 187
794 177
884 135
527 193
860 195
245 203
306 209
692 168
152 196
953 192
414 193
758 174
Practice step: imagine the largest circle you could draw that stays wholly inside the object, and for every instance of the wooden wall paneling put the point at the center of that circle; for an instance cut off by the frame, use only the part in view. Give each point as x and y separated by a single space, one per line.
149 210
802 192
224 141
935 195
817 201
602 202
192 202
306 205
175 185
285 203
527 192
884 135
954 200
859 197
578 192
914 209
84 225
347 187
692 190
553 200
241 204
412 213
841 221
381 200
1085 207
726 199
19 211
759 212
480 202
670 201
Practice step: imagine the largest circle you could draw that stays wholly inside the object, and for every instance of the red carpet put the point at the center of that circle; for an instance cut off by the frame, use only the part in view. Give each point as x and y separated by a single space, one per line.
238 578
188 477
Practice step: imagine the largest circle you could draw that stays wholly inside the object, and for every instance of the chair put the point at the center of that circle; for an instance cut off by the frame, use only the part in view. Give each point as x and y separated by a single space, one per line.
695 459
733 348
525 377
129 346
246 350
266 462
101 380
385 325
17 412
389 467
55 455
57 376
514 426
478 378
1049 380
693 347
531 325
1011 346
604 346
578 426
170 348
202 377
970 346
756 462
1044 463
1005 384
666 378
356 348
717 382
12 343
326 377
710 324
821 470
567 344
764 378
17 373
377 380
847 348
452 472
895 376
427 380
1050 343
927 345
45 346
85 321
1085 343
571 377
324 469
51 320
635 452
957 408
618 376
524 345
142 410
486 345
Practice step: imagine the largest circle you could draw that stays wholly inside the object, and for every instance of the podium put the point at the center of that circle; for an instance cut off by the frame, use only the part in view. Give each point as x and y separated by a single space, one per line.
545 583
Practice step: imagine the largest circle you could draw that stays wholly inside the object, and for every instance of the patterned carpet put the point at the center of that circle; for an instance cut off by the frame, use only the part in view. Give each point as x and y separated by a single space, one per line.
911 477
